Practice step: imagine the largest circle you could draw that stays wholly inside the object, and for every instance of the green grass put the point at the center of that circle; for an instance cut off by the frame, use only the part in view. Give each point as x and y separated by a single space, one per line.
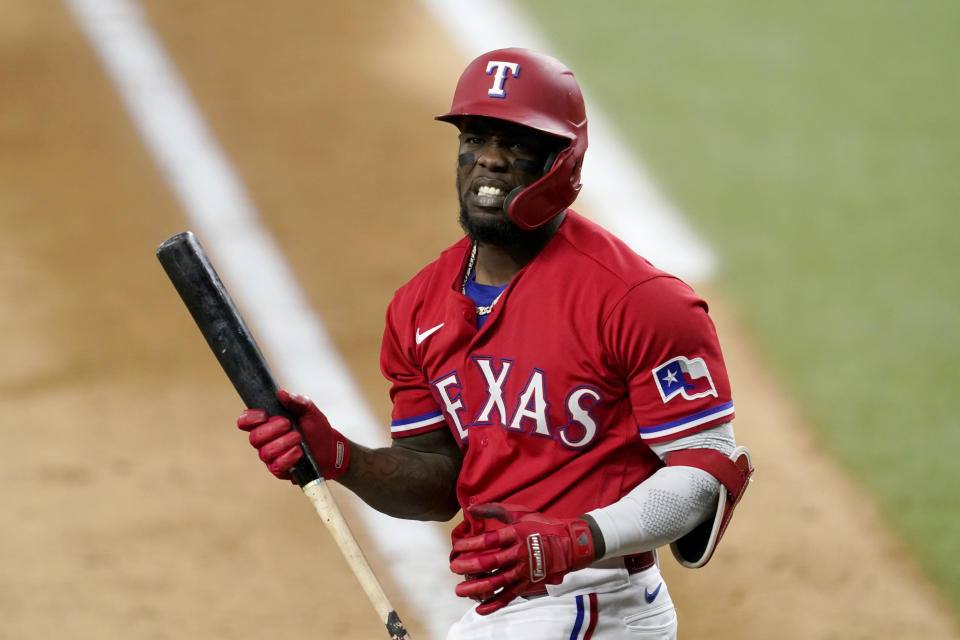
816 145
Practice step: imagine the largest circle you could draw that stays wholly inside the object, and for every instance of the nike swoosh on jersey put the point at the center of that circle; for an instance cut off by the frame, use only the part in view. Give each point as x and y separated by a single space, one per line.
650 597
429 332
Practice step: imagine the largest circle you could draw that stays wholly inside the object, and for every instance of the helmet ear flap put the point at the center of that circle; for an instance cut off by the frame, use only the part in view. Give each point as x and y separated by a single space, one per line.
547 166
533 206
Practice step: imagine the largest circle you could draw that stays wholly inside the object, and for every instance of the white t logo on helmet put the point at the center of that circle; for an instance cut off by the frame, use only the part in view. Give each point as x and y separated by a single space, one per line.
501 76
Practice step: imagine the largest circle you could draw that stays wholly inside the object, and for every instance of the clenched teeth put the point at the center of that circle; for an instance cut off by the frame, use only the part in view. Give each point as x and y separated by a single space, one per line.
486 190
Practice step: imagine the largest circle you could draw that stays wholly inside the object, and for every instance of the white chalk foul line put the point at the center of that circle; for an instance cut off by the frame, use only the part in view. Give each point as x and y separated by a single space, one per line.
618 192
250 263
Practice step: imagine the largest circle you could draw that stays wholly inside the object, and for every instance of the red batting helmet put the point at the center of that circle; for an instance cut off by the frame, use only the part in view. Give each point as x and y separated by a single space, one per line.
536 91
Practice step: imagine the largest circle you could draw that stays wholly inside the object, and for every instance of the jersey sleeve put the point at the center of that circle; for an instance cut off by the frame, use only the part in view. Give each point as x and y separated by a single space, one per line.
662 341
415 409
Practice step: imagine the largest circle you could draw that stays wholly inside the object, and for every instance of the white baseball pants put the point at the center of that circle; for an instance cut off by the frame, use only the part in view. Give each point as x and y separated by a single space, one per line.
601 602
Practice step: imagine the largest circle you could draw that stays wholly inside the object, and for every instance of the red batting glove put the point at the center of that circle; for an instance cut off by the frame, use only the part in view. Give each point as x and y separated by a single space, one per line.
279 445
533 547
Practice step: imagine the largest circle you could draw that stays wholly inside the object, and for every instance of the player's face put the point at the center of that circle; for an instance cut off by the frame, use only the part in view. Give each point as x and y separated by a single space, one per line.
496 157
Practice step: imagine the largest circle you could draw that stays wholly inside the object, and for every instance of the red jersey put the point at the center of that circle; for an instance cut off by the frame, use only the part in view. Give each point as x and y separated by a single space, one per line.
589 355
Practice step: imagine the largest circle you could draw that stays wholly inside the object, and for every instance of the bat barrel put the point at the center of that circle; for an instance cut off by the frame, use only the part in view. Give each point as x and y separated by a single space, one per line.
218 319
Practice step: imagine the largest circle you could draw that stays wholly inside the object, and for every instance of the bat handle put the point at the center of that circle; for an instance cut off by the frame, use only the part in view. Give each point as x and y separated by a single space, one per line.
319 494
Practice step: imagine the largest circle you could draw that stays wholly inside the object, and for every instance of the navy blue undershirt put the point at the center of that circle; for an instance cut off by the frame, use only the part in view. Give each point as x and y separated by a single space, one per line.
482 295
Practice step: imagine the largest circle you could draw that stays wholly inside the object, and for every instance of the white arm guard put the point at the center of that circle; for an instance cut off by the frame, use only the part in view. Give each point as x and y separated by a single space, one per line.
667 505
664 507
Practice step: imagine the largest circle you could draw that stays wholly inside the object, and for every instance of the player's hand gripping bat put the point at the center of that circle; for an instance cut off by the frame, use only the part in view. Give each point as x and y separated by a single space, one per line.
220 323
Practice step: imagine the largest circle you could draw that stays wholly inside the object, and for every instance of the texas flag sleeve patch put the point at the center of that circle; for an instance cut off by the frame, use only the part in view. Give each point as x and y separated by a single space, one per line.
689 379
679 380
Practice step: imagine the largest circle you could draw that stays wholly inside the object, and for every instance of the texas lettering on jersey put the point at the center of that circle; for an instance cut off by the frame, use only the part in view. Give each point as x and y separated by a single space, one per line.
589 356
528 409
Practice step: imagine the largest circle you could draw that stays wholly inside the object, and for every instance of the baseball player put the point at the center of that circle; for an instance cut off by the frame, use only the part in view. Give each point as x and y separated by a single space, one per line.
567 396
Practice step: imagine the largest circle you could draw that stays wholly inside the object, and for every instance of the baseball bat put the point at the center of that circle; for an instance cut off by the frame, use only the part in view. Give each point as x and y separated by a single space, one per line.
218 319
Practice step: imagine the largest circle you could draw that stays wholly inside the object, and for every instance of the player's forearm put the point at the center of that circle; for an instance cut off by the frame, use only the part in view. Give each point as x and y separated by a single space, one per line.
403 483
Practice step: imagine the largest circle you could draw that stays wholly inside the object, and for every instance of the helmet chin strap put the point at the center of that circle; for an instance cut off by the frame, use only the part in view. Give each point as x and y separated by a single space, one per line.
510 198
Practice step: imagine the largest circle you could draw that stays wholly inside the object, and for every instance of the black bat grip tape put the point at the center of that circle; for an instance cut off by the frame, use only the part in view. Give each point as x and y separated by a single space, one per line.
218 319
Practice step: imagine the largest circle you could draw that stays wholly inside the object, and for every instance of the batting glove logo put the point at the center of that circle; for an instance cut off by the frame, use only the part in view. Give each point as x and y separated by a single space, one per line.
538 571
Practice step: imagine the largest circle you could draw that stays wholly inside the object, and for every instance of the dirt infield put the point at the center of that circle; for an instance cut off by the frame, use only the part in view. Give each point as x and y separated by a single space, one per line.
132 508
